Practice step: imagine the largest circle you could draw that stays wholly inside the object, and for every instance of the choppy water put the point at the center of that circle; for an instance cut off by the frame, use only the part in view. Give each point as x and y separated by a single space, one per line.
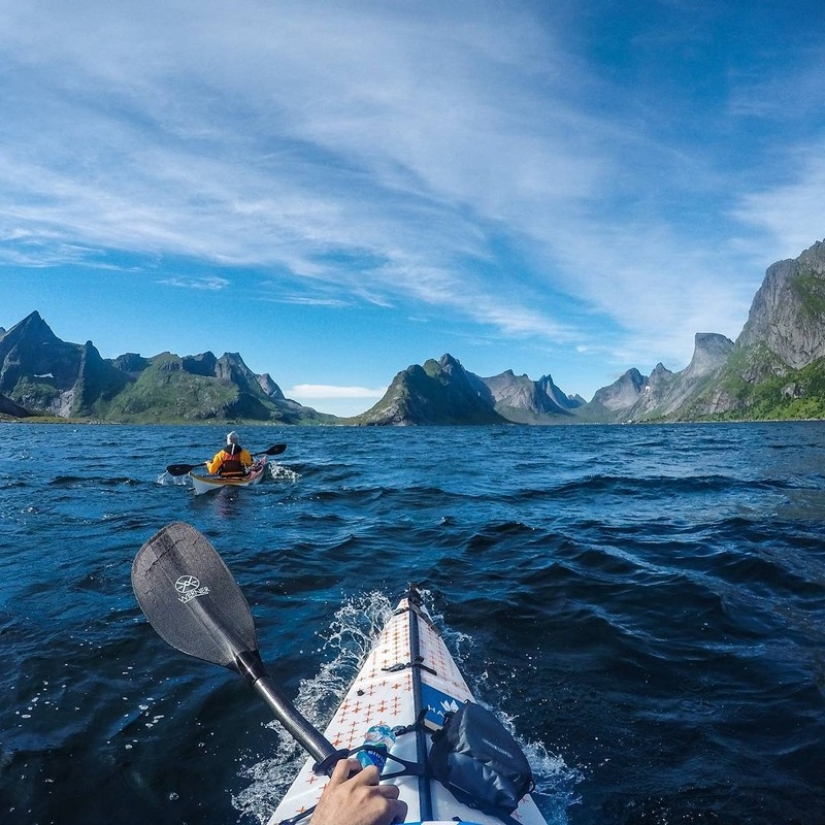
646 605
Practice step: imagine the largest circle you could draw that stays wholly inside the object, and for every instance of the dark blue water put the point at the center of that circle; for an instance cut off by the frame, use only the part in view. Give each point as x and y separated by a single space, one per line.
645 606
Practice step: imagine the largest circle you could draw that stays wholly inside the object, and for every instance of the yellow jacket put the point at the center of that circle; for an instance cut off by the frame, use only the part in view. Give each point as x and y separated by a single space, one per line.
243 456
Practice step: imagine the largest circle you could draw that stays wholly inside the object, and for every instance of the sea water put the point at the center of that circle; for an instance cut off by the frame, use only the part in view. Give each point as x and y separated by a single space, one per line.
644 606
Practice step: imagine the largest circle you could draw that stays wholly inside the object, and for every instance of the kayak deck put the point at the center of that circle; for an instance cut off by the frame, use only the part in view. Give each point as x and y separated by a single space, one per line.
205 484
391 687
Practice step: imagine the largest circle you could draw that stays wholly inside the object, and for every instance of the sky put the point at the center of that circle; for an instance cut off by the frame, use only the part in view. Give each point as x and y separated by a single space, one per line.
339 190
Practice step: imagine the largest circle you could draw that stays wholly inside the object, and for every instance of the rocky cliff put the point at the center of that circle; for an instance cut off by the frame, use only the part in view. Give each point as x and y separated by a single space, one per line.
524 401
270 388
42 373
777 367
622 394
787 313
662 394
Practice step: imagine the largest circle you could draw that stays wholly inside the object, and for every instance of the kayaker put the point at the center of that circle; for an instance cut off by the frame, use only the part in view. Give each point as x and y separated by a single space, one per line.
231 460
354 797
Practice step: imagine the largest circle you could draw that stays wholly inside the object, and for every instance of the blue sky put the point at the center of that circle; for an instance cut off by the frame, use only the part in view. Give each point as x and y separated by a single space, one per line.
340 190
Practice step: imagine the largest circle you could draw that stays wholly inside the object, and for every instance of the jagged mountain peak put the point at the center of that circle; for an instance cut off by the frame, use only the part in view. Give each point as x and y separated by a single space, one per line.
201 364
635 397
33 329
444 392
439 392
710 352
776 367
233 358
623 393
522 400
447 363
787 313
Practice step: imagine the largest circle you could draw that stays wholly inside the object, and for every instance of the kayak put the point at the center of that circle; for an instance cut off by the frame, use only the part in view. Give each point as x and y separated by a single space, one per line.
457 761
408 670
206 484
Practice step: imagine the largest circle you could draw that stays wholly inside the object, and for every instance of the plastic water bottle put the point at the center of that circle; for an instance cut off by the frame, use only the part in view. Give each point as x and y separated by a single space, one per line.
382 738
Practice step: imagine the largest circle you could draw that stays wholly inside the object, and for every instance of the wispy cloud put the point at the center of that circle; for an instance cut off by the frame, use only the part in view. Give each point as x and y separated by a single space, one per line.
305 300
210 284
327 391
791 212
429 158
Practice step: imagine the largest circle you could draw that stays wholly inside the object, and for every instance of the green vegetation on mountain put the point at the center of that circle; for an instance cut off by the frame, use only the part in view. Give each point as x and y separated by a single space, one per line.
779 394
182 396
44 376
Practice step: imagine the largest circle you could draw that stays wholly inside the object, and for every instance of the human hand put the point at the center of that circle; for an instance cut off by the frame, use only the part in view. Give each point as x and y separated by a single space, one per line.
354 797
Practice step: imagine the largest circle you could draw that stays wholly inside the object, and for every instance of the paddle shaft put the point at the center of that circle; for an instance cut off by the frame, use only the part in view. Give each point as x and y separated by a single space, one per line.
251 667
297 726
183 469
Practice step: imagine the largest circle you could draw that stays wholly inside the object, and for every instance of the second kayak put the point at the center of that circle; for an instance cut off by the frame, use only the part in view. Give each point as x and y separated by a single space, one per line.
206 483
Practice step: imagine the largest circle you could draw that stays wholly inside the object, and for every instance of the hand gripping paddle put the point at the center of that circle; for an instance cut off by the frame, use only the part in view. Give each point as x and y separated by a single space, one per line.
192 601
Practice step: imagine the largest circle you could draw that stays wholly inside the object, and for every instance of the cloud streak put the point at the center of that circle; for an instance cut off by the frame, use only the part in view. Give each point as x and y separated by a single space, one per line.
478 163
328 391
210 284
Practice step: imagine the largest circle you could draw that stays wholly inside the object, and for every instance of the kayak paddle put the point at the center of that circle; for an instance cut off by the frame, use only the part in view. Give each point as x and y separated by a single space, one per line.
183 469
190 598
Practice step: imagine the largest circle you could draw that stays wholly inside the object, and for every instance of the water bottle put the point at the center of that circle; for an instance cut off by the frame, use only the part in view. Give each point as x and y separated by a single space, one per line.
382 738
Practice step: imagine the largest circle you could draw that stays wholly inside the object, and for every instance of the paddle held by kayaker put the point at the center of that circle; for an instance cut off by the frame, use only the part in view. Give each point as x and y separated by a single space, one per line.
231 460
354 797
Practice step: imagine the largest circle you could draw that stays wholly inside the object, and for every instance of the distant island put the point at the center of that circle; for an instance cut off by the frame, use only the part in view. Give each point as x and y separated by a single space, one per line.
775 370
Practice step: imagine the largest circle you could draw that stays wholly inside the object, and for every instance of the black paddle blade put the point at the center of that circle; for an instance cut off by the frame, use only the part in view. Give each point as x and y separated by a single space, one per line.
275 449
181 469
190 597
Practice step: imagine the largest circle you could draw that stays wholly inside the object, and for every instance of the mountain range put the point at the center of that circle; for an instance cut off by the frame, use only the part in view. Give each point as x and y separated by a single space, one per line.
443 392
41 374
774 370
